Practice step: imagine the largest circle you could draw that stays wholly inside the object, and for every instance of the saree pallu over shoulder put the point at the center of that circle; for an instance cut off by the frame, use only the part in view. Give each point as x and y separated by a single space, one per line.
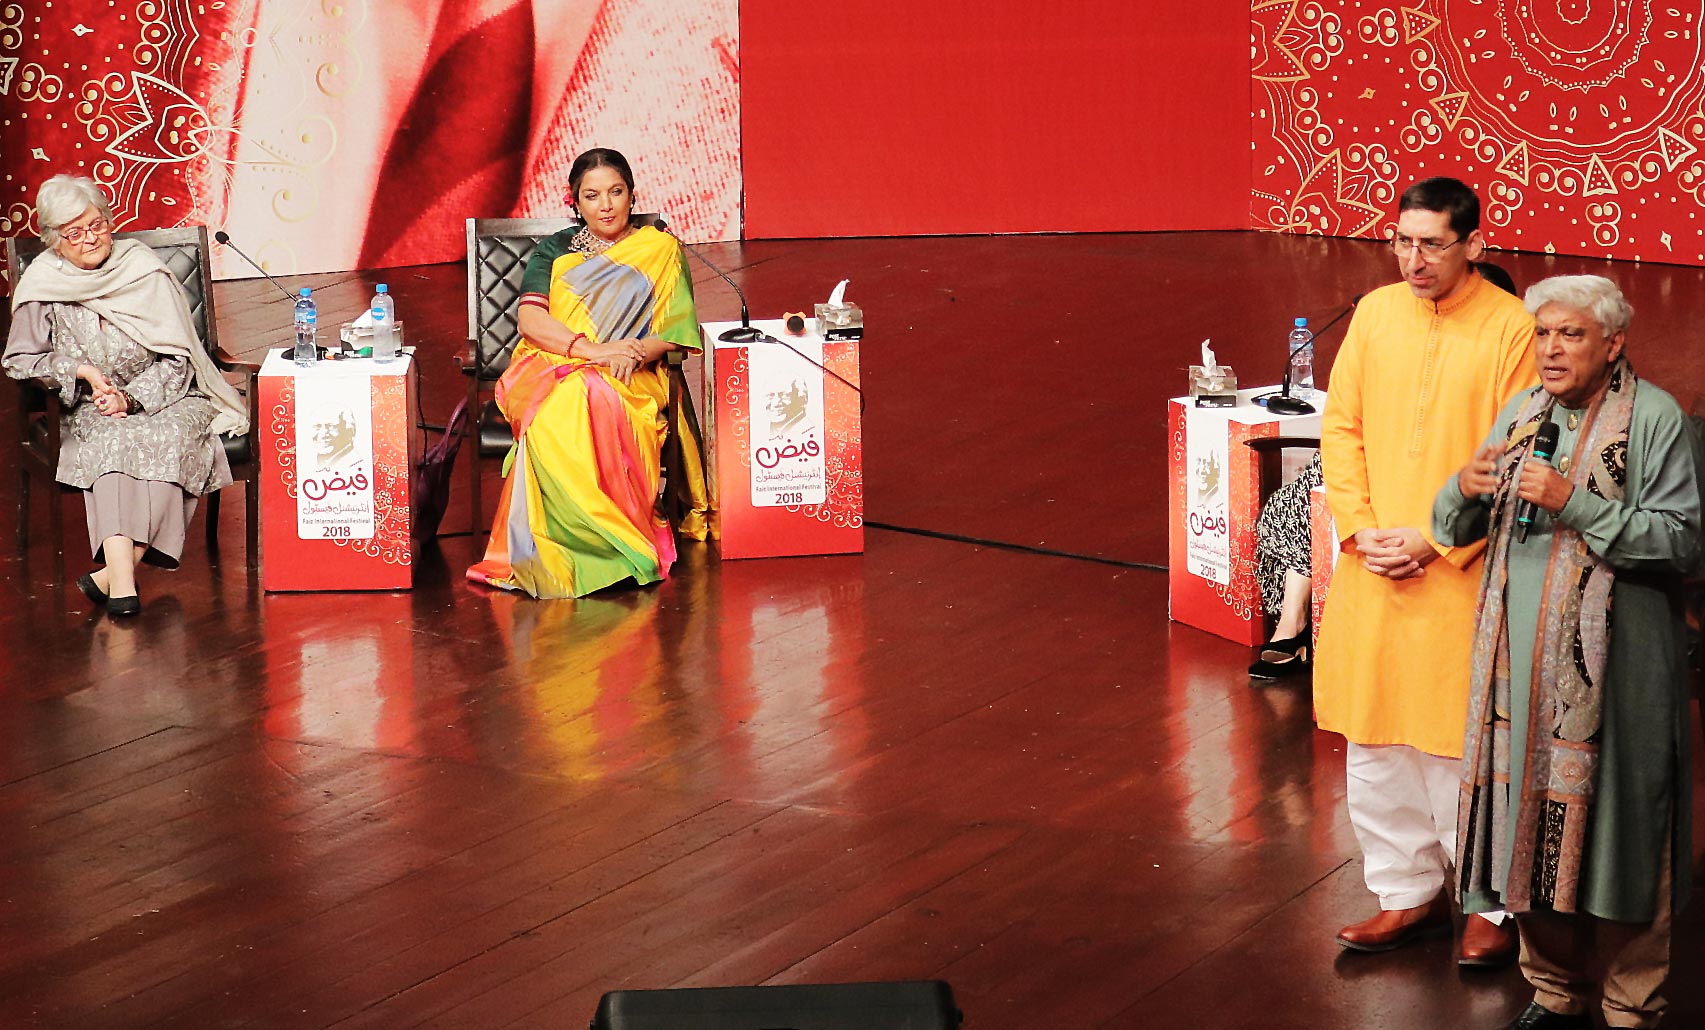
578 511
639 288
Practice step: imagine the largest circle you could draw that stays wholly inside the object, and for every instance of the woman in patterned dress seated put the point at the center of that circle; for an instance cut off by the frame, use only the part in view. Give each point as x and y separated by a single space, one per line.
104 324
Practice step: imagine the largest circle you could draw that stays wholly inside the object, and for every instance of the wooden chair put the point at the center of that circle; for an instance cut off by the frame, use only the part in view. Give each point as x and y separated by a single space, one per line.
498 250
184 251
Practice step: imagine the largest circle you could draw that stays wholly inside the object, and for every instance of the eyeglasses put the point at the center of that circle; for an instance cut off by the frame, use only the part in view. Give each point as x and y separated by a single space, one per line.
1431 250
98 227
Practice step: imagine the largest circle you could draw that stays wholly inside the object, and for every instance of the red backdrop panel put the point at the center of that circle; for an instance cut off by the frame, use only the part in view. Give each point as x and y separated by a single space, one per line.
1580 126
876 118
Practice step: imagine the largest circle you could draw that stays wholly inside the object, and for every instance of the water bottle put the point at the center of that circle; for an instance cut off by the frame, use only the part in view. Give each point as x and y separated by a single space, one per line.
384 311
307 327
1300 348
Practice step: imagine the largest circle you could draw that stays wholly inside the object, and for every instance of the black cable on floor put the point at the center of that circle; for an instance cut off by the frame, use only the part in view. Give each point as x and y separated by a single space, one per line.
1049 552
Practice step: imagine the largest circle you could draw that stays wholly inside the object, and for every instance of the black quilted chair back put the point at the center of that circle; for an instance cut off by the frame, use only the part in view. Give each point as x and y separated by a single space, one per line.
498 249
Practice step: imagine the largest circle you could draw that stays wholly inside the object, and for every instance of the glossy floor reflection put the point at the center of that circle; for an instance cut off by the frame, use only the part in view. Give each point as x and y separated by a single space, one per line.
458 808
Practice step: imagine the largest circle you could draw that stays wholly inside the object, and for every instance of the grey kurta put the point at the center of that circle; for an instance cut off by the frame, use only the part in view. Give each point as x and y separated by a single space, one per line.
168 441
1640 814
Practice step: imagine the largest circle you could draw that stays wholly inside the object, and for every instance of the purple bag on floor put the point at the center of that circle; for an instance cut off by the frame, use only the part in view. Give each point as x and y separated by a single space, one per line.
431 492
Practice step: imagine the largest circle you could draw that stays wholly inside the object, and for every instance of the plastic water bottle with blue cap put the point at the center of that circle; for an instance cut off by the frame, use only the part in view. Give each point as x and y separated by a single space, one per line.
1300 349
307 320
384 313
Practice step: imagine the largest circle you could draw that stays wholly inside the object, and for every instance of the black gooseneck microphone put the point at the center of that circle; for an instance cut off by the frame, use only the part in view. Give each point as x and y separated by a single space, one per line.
745 333
1544 445
224 239
1283 403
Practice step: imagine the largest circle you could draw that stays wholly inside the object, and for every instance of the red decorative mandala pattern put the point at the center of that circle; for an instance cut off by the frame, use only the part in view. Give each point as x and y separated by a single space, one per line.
1580 122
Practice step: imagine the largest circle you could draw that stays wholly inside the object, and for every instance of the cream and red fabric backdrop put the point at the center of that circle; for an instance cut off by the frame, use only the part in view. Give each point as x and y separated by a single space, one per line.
1579 121
286 123
363 133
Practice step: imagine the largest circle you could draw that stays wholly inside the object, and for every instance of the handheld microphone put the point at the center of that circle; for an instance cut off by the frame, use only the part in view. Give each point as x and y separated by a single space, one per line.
1283 403
1544 445
745 333
224 239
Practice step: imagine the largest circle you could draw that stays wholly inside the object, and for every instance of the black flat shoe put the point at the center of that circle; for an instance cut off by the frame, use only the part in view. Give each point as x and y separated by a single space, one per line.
124 607
86 583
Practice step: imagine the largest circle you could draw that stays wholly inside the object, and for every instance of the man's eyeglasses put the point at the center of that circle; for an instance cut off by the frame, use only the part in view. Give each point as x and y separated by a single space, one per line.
1431 250
98 227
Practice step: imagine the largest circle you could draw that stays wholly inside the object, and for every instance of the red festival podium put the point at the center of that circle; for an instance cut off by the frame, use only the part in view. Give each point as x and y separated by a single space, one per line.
338 451
1213 499
783 450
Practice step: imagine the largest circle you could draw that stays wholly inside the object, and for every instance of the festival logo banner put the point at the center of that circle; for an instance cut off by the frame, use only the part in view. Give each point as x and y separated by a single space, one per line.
1207 496
789 467
334 445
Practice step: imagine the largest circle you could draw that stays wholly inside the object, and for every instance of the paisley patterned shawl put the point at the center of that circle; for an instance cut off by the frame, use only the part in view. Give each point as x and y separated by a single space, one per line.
1565 702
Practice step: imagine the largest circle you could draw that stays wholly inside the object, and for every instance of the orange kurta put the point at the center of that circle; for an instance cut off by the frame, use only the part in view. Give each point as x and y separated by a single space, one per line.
1412 393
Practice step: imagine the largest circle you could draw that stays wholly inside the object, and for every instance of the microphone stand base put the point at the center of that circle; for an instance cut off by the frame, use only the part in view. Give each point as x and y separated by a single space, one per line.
1287 405
741 334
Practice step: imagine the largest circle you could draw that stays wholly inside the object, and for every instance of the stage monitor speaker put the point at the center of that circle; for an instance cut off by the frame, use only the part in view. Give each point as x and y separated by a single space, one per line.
913 1005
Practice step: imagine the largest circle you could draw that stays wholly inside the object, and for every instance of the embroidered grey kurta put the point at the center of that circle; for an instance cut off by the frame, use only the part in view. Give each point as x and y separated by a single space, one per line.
167 441
1651 537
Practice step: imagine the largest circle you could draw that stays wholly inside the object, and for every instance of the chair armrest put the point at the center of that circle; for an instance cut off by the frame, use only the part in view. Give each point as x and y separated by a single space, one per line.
227 362
1266 444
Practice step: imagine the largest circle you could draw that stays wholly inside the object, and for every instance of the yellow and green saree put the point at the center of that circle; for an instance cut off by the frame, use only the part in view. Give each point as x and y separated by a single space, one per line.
578 511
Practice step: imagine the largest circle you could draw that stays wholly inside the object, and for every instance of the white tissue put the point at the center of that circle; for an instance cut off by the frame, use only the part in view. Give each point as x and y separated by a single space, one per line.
1209 365
838 293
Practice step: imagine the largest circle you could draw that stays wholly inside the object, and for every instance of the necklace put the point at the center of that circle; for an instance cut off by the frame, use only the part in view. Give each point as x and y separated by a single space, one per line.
587 242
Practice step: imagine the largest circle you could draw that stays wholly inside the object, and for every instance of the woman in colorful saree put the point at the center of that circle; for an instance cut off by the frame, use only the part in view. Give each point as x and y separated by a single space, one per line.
602 306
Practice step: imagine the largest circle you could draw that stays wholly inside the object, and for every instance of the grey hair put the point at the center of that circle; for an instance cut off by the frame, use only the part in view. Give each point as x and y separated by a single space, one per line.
1590 293
64 198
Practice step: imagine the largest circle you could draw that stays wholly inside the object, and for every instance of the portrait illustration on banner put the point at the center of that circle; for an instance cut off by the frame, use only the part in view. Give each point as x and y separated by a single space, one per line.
334 446
790 456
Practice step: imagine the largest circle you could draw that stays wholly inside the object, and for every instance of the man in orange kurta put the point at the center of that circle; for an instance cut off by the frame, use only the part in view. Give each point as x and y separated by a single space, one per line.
1425 367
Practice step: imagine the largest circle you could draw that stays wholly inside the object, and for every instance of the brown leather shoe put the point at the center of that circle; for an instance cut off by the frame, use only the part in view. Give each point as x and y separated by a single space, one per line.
1395 928
1487 946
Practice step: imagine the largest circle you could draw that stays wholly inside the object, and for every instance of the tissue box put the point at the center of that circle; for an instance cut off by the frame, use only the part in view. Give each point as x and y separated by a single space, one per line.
362 330
837 322
1213 390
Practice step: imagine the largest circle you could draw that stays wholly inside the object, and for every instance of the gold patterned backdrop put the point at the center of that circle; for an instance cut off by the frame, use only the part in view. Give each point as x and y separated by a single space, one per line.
335 134
1578 121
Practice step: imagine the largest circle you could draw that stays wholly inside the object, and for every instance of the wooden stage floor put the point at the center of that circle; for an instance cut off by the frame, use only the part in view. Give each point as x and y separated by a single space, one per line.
940 759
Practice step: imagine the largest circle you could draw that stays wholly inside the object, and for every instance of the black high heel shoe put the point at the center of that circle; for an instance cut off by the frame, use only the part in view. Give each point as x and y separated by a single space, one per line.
1288 657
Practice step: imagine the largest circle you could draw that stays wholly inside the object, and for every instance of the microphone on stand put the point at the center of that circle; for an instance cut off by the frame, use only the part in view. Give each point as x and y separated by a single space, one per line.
745 332
1282 403
1544 445
221 237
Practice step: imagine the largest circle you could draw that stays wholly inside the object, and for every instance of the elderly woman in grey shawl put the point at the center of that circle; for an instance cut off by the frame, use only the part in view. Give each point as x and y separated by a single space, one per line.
105 324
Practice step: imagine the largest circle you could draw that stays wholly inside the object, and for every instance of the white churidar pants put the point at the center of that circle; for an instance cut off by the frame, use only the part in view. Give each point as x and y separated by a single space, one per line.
1403 808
